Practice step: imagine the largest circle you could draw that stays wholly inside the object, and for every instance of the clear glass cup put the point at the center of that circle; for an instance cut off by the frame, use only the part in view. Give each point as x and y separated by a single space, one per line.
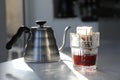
84 53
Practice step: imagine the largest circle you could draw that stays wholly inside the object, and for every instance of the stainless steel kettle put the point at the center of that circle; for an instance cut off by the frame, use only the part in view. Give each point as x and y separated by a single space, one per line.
41 43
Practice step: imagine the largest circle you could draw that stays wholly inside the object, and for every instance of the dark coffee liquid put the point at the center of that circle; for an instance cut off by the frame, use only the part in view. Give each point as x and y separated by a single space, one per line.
84 60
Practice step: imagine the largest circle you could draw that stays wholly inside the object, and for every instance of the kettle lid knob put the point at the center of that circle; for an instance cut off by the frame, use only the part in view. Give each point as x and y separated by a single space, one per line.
40 22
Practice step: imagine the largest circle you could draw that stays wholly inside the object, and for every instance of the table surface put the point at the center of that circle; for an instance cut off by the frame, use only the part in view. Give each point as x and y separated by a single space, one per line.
108 67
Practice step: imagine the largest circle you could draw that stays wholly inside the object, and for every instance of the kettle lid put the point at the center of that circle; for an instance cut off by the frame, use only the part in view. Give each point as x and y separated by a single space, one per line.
40 23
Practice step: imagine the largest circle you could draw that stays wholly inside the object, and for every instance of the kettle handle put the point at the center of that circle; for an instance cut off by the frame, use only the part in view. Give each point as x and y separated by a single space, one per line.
17 35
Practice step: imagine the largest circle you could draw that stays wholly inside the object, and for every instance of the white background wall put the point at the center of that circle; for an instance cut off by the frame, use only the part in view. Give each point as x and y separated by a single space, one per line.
14 16
109 28
43 10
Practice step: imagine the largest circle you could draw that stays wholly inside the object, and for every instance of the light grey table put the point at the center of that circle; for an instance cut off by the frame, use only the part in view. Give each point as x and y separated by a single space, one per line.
19 70
108 67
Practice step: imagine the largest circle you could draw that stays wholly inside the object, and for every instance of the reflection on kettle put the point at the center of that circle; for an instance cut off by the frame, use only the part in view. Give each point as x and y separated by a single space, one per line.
41 44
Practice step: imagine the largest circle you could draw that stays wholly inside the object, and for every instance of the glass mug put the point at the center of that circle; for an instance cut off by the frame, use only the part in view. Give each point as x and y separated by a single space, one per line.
84 53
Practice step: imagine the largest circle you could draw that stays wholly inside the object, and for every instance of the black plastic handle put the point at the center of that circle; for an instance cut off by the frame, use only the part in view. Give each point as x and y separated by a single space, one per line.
16 36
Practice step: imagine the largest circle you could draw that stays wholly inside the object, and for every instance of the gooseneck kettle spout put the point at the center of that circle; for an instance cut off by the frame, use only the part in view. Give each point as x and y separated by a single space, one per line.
64 38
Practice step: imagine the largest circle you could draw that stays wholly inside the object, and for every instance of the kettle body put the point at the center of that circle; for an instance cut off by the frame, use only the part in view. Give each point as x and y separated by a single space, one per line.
41 44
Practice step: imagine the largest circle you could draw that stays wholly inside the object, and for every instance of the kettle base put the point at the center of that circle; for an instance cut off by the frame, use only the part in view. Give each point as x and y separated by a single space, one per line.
41 61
